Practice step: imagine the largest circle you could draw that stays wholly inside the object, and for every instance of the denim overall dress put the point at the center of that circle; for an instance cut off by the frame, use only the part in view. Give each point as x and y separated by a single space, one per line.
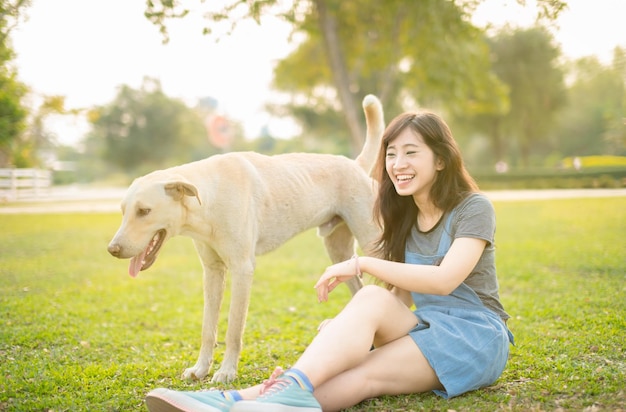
466 344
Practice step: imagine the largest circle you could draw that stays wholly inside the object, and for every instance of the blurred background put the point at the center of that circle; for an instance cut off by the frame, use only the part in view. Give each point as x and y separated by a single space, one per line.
100 92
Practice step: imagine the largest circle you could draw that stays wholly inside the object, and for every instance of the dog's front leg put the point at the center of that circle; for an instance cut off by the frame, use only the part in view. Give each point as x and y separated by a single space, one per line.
214 283
240 299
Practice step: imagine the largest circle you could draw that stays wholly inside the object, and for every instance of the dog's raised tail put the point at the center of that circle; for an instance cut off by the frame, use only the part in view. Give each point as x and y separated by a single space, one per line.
374 119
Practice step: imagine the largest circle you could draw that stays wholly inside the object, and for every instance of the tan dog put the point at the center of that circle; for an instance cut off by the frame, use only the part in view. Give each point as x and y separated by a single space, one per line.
238 205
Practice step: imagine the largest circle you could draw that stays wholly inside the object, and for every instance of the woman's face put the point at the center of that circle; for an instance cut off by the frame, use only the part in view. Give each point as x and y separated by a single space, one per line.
411 165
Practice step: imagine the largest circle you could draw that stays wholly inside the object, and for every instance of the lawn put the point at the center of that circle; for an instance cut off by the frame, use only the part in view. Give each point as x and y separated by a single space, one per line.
78 334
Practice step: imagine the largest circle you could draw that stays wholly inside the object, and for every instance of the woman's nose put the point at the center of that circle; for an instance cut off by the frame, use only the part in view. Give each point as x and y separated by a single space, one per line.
399 162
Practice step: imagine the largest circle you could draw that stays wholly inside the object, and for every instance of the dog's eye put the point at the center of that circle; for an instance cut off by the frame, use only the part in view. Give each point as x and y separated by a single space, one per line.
143 212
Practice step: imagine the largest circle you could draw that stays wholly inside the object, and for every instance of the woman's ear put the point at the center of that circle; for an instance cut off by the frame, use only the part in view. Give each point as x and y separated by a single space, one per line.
439 164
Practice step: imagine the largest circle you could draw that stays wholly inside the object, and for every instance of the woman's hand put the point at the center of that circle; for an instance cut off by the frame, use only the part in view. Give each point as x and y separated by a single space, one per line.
335 275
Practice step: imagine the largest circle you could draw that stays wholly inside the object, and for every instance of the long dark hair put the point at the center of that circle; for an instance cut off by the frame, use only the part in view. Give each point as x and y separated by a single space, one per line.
397 214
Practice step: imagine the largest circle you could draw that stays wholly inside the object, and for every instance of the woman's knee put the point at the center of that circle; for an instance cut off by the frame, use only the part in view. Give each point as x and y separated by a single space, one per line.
376 305
373 295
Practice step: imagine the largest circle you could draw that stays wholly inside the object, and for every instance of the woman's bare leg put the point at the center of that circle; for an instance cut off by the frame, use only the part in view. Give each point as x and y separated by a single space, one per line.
340 354
339 365
374 315
399 367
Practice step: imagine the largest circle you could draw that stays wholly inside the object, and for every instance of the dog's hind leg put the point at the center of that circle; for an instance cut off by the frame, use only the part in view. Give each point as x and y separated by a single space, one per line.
339 243
214 283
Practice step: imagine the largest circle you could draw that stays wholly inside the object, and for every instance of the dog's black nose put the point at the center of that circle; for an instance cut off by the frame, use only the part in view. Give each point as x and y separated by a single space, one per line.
114 249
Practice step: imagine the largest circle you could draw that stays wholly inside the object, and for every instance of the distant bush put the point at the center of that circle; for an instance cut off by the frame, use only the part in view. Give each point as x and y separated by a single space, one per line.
583 172
595 161
585 178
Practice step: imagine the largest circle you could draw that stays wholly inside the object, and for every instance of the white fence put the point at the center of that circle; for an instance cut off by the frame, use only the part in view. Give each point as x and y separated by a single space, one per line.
24 183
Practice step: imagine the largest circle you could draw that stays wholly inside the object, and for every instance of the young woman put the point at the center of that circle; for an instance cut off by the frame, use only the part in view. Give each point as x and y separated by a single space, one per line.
435 320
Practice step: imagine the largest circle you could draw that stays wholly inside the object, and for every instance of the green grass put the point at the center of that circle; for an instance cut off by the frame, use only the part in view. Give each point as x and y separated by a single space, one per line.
78 334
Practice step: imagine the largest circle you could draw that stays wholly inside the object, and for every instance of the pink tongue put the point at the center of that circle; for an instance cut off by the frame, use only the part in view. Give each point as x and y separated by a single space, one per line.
135 263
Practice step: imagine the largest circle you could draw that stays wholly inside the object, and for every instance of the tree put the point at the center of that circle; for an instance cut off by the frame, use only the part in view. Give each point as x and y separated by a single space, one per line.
13 150
143 129
593 122
400 49
422 52
10 14
527 63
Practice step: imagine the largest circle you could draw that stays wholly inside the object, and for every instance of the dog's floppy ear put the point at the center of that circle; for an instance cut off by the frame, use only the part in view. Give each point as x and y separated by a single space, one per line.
180 188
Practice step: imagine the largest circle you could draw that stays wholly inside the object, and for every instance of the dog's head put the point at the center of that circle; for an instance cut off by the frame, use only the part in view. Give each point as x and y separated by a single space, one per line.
153 210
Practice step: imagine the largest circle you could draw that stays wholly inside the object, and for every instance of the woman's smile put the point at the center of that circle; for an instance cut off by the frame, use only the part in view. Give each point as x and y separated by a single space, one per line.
411 164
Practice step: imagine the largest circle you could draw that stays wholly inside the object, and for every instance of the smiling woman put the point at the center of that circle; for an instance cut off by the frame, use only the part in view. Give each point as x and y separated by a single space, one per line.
412 165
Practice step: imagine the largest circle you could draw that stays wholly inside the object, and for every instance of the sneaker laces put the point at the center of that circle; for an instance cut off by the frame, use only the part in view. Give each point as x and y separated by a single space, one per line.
273 383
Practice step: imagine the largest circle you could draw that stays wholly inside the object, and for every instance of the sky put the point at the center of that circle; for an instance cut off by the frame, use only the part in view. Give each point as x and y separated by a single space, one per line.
85 50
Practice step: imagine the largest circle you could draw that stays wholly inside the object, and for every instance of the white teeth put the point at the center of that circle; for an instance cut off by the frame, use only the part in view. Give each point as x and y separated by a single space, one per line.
151 246
404 178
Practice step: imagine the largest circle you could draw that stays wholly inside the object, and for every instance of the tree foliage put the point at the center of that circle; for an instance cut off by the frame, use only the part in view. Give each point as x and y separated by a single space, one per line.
407 52
526 61
13 150
143 129
594 122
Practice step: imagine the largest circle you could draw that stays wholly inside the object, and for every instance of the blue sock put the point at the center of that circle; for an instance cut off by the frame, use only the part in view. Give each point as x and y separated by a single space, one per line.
300 378
232 396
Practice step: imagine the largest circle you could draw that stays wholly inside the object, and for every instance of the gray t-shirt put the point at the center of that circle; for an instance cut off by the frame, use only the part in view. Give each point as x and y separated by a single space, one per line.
475 218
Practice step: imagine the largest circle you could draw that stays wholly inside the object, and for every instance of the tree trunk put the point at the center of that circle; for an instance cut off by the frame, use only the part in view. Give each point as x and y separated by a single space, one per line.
351 112
496 141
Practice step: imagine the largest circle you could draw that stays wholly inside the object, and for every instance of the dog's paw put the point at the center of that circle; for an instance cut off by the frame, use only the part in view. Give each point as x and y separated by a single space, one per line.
224 375
197 372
